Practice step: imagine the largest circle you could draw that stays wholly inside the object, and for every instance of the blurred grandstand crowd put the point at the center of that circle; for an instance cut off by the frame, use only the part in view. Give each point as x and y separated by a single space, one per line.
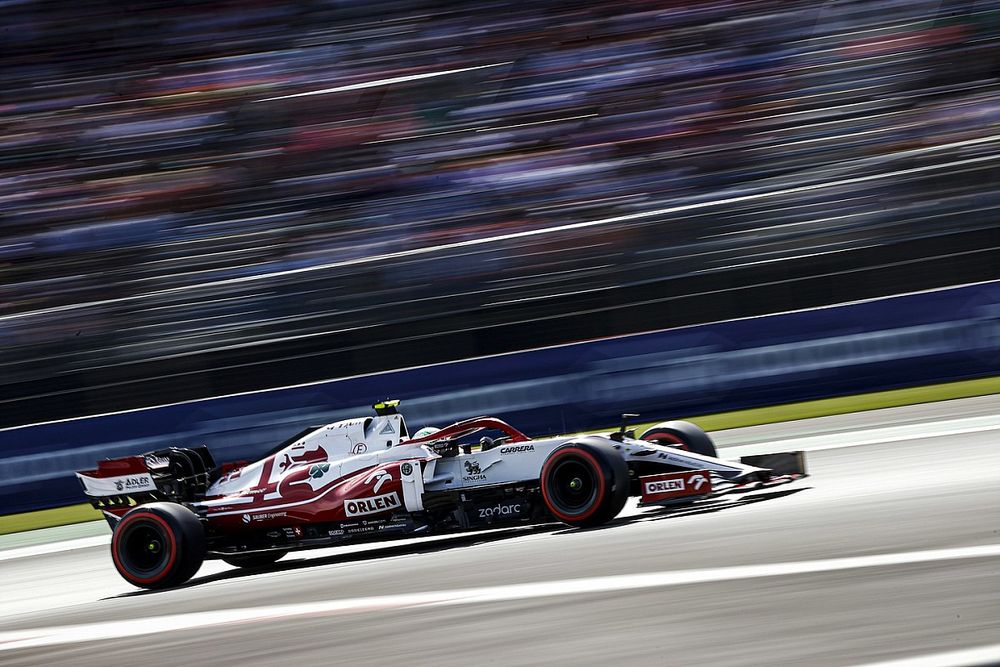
180 177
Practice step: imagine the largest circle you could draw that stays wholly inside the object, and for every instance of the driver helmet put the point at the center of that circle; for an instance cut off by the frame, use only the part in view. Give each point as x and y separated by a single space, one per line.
425 431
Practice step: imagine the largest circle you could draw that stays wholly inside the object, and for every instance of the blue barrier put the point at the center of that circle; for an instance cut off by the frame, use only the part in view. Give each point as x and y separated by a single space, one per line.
899 341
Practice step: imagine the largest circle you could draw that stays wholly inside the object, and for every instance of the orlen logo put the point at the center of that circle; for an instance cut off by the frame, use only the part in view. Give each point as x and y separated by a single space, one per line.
499 510
664 485
371 505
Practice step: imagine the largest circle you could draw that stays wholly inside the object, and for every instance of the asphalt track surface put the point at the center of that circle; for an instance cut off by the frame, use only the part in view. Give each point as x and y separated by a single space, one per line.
889 550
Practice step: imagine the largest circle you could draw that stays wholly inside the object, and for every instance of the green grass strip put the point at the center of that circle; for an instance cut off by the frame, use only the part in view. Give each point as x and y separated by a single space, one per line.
846 404
61 516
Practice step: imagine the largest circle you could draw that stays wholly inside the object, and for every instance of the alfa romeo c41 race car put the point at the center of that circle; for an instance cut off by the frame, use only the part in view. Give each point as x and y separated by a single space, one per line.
368 479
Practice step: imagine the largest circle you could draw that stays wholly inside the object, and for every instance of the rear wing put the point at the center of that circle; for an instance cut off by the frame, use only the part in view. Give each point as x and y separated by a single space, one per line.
115 480
175 474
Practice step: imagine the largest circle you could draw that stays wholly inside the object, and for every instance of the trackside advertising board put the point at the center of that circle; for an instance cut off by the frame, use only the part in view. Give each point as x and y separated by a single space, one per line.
882 344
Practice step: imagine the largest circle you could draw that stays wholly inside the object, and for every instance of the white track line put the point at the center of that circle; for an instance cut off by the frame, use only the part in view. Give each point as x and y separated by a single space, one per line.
871 436
135 627
984 655
55 547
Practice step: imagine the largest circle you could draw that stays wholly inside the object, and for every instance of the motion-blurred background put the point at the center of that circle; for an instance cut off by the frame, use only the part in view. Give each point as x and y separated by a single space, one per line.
203 198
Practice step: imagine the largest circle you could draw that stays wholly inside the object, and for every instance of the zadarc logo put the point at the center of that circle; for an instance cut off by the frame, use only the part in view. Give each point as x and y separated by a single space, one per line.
497 511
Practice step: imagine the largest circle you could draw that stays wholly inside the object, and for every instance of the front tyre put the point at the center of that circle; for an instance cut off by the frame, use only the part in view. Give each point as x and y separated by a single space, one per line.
585 483
158 545
259 559
682 435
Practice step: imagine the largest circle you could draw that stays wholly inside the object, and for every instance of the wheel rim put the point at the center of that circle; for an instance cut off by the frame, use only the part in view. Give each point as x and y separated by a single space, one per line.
144 548
574 486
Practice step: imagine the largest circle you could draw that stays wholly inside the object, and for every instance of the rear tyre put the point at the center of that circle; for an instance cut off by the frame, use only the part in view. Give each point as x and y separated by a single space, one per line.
585 483
158 545
260 559
682 435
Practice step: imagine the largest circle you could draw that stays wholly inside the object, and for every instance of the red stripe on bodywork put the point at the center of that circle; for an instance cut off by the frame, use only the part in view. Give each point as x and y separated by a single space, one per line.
127 465
468 426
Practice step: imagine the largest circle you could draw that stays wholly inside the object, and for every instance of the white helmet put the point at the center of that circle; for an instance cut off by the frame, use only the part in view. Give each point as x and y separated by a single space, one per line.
425 431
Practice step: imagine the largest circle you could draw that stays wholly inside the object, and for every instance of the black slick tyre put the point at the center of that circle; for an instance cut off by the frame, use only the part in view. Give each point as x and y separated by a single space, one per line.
584 483
158 545
683 435
259 559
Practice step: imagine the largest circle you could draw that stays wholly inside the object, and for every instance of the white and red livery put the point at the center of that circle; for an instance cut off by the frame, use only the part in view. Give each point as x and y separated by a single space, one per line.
367 479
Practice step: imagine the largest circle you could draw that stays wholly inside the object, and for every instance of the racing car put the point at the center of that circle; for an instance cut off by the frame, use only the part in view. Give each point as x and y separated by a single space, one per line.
369 479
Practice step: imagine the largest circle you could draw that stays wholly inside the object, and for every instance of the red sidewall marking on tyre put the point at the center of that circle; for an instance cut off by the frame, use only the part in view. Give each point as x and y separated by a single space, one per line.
601 484
170 538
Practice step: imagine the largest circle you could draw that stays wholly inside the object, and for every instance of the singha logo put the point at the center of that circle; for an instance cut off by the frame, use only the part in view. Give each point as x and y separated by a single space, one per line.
472 468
